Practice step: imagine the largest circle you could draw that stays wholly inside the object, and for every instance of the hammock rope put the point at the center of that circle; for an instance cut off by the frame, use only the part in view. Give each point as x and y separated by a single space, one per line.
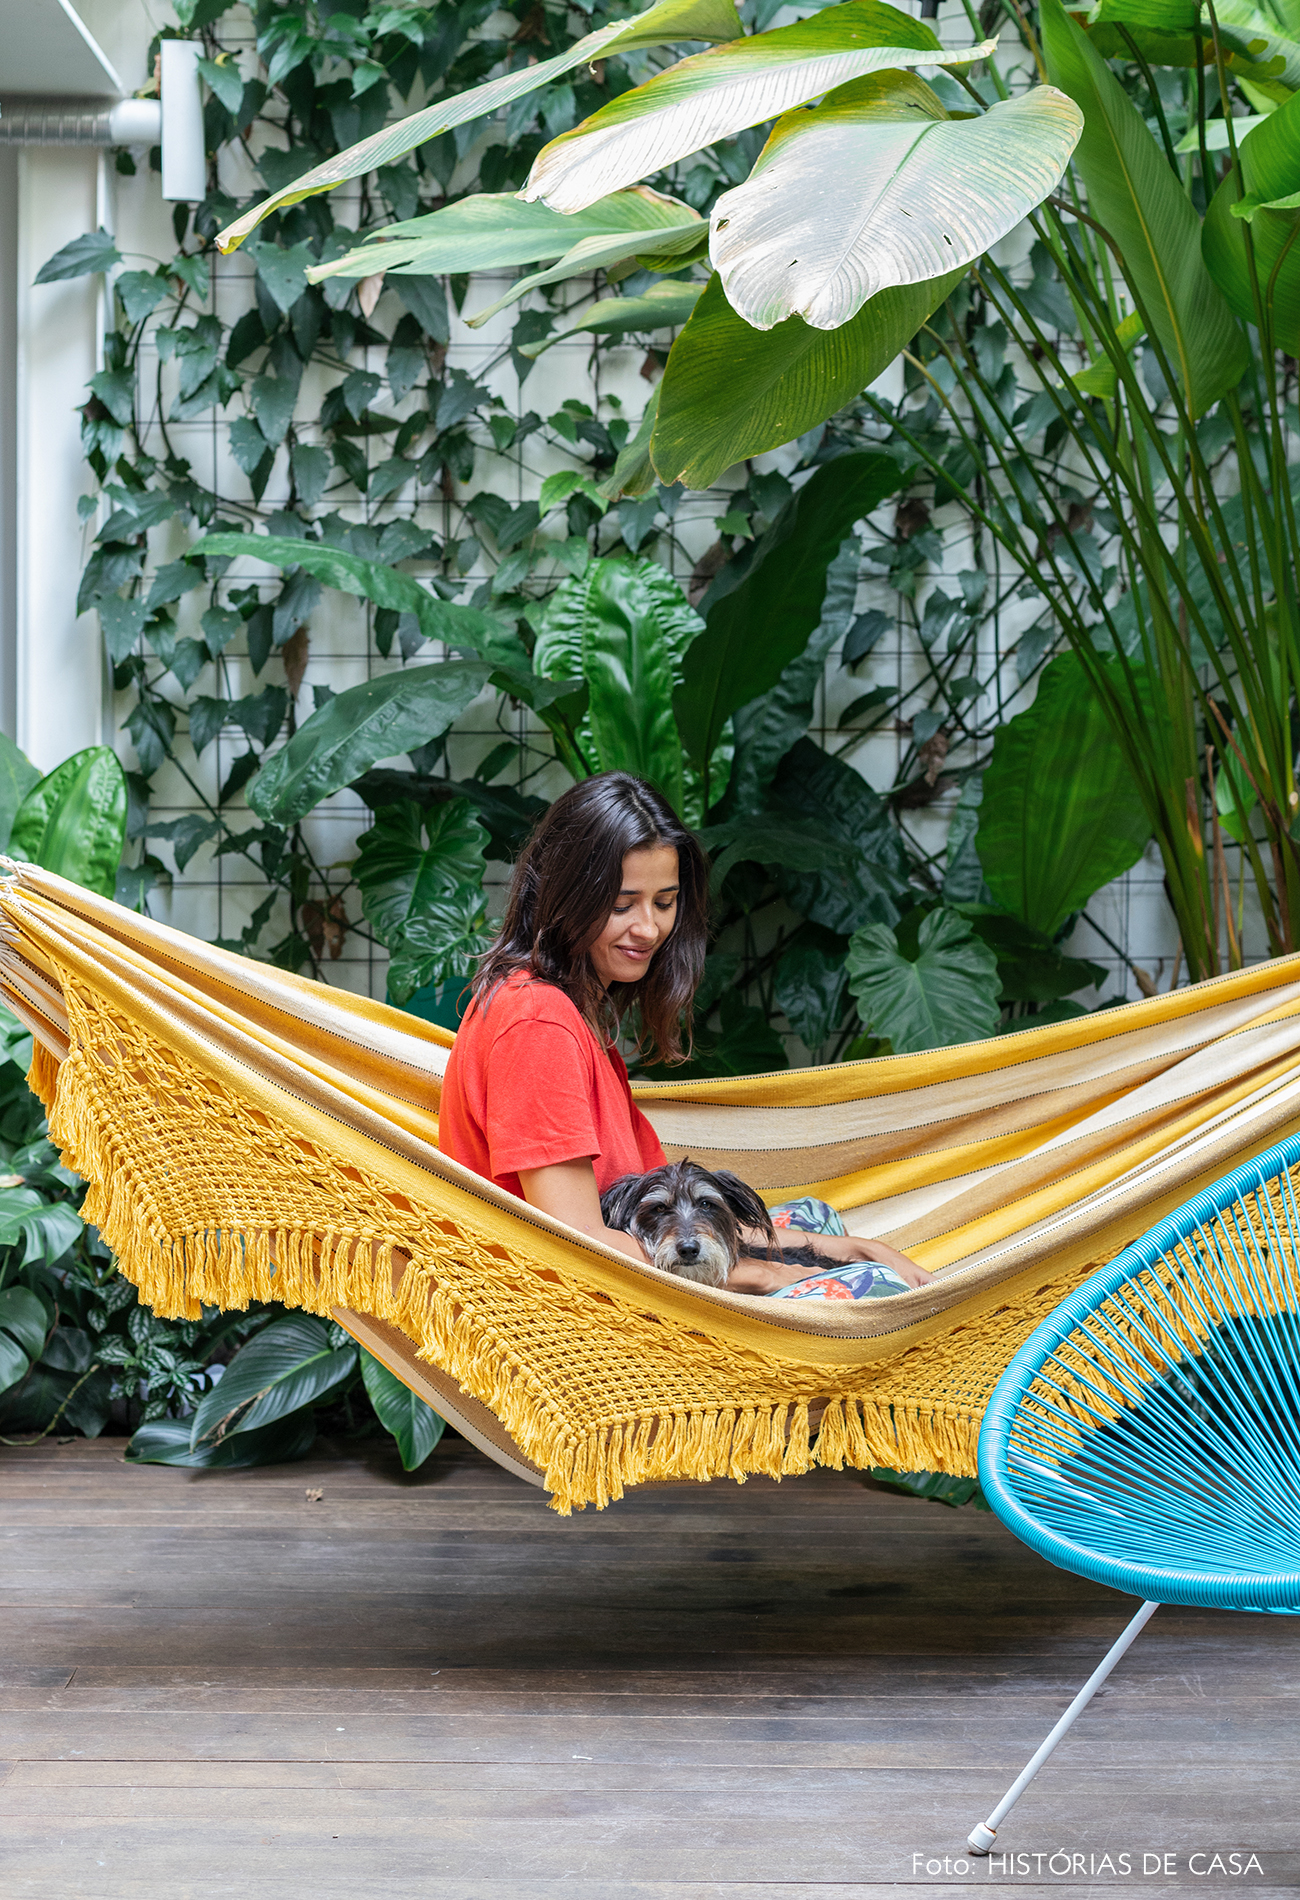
248 1135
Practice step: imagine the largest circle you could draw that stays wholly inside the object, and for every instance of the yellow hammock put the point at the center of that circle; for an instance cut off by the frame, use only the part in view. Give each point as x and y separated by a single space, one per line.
250 1135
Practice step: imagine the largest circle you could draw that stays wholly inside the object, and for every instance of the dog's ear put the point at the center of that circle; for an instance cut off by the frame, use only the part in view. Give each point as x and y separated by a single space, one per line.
618 1202
745 1204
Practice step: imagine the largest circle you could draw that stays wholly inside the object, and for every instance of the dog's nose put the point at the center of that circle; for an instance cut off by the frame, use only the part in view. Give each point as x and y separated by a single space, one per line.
688 1250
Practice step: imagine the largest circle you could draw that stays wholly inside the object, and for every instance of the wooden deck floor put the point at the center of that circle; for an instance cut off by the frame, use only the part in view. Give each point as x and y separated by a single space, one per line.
433 1686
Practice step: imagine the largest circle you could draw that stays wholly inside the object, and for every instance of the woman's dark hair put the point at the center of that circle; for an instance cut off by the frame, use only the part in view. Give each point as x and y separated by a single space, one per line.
566 882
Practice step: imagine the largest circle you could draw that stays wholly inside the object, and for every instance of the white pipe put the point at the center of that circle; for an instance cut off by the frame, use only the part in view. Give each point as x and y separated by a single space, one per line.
184 164
981 1838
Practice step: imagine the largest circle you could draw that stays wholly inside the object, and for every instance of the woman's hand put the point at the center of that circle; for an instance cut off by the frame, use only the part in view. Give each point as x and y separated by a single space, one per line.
850 1247
764 1276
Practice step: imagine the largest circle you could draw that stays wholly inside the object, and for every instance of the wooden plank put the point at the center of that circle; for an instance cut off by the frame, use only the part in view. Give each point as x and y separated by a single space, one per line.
212 1687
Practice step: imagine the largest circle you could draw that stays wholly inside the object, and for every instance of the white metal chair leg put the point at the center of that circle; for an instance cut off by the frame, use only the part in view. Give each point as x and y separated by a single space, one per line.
981 1838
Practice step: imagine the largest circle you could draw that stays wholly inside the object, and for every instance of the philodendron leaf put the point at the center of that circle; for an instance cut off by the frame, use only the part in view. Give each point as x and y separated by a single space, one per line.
730 391
17 777
377 720
625 627
1134 194
713 95
662 307
368 580
1270 205
73 822
403 1413
947 994
412 858
1061 814
452 934
24 1318
661 25
291 1363
877 186
755 630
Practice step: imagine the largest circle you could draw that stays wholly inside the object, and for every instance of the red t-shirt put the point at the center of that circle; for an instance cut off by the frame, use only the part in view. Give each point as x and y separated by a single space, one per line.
528 1084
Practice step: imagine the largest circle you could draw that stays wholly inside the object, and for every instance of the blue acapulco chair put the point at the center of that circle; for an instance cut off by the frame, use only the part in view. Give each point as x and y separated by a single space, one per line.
1147 1435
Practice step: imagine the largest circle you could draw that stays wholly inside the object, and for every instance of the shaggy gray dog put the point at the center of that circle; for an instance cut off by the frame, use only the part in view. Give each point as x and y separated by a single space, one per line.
690 1221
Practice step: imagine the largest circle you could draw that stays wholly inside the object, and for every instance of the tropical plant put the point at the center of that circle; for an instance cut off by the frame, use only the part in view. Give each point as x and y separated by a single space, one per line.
1177 594
856 218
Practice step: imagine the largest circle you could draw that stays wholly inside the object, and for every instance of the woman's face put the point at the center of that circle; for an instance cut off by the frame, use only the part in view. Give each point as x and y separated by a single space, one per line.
644 912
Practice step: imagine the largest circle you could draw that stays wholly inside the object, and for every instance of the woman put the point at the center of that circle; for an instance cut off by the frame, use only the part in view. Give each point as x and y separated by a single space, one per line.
608 906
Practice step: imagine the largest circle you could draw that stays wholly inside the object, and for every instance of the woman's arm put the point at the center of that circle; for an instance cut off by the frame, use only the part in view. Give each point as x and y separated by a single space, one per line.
843 1249
567 1190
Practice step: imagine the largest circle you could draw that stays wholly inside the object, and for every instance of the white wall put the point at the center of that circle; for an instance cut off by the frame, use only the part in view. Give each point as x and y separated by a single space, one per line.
60 699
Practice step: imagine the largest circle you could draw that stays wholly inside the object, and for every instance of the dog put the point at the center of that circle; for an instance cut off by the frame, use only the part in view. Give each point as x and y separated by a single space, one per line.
689 1221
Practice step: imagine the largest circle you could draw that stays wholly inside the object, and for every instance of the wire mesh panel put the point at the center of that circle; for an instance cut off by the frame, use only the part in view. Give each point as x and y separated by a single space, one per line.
1148 1434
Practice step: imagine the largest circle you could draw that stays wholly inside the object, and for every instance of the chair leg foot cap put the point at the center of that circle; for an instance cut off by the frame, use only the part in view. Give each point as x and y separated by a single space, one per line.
981 1838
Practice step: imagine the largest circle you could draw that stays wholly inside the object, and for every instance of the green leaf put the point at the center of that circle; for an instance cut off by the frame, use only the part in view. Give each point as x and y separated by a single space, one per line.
671 20
95 252
17 777
14 1362
166 1441
947 994
714 95
874 881
122 622
753 632
745 1044
498 231
452 934
805 236
624 627
774 838
415 1425
283 271
140 291
602 253
289 1364
1270 168
377 720
731 391
1061 814
1030 967
411 858
1143 206
23 1317
225 80
766 727
662 307
809 988
73 822
367 580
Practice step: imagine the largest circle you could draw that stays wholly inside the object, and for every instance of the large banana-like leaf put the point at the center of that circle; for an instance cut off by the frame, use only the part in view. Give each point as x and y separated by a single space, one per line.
662 25
594 254
495 230
625 627
662 307
74 820
1270 165
1166 33
756 629
1136 197
731 391
877 186
1061 814
711 95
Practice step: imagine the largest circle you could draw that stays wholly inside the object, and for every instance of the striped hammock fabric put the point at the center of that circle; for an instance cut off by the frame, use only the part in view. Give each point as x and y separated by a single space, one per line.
251 1135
